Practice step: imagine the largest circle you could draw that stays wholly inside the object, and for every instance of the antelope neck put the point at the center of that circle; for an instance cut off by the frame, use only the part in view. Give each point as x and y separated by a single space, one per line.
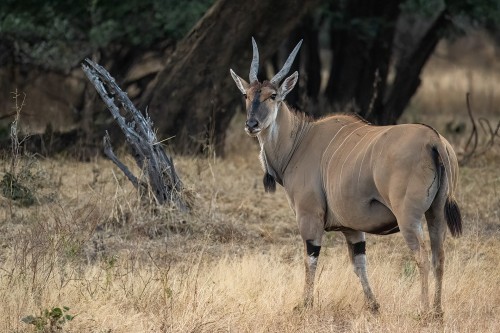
280 141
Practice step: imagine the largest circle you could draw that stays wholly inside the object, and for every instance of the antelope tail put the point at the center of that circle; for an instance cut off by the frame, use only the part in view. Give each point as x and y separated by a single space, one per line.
453 217
451 210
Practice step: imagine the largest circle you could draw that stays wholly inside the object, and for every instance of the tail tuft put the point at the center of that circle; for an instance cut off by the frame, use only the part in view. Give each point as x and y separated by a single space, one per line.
453 217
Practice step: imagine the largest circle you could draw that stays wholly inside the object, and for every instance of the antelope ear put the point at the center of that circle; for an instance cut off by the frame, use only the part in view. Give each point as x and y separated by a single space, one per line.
287 85
240 83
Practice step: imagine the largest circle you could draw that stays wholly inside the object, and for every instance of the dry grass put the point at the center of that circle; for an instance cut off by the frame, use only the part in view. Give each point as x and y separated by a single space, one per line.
235 263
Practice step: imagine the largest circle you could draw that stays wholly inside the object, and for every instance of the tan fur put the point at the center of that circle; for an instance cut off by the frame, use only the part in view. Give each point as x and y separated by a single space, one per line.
341 173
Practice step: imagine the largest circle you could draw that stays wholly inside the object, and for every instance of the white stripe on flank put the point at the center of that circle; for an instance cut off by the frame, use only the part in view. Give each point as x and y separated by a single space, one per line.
340 129
347 157
363 159
339 132
378 138
347 137
381 150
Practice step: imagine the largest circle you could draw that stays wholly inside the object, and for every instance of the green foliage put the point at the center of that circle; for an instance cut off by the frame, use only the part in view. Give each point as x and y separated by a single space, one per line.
477 12
427 8
49 320
485 13
58 34
341 18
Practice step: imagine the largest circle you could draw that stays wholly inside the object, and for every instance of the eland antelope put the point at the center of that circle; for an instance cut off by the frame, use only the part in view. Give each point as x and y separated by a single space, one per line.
341 173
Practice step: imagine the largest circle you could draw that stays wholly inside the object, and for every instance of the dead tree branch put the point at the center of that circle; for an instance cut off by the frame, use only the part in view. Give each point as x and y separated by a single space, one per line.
147 150
471 147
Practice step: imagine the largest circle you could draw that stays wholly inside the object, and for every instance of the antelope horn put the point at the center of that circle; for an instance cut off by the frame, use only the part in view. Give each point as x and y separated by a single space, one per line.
254 68
286 67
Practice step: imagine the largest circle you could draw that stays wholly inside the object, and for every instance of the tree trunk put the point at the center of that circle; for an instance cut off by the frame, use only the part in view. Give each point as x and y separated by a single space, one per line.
312 64
194 98
305 96
408 70
361 45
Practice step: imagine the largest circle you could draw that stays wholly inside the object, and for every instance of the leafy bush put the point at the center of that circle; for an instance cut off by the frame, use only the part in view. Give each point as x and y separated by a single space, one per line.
49 320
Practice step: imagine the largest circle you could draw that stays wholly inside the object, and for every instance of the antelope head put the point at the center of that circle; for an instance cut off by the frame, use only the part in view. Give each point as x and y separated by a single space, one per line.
263 99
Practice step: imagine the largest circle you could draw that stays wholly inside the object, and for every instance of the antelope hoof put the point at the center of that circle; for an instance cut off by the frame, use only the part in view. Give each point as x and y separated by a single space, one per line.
437 315
434 315
373 307
307 304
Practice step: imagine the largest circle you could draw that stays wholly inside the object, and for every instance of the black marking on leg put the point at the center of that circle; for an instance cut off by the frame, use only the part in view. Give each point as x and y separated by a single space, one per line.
269 183
312 250
359 248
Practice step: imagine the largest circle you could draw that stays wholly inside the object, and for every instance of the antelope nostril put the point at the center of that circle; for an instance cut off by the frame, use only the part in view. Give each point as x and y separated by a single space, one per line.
252 123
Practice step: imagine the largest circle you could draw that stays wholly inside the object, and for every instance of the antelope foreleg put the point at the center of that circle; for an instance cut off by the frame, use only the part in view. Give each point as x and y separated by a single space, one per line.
311 262
310 220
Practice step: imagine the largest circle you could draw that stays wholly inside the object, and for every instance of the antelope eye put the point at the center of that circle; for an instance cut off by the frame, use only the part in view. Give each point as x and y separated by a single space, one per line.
273 97
245 96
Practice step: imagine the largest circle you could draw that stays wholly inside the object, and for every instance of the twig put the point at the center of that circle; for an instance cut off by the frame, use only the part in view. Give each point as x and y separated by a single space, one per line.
486 126
473 135
472 144
14 131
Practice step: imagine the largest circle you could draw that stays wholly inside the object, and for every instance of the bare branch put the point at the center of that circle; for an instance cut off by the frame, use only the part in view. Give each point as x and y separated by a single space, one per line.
471 147
473 135
108 151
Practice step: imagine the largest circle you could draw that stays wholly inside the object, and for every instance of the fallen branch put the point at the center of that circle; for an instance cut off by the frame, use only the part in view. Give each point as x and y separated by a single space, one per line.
146 149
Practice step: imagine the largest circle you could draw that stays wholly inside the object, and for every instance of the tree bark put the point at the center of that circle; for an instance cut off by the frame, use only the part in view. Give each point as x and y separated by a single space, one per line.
362 44
305 95
408 70
194 98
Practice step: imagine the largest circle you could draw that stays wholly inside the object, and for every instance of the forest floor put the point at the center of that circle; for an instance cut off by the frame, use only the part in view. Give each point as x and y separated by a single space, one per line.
92 248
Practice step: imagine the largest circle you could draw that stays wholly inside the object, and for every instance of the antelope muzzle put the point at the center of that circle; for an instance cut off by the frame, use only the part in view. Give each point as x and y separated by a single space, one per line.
252 127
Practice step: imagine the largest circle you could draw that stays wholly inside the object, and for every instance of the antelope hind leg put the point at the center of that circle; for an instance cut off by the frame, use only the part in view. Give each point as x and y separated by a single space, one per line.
413 235
357 253
437 231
